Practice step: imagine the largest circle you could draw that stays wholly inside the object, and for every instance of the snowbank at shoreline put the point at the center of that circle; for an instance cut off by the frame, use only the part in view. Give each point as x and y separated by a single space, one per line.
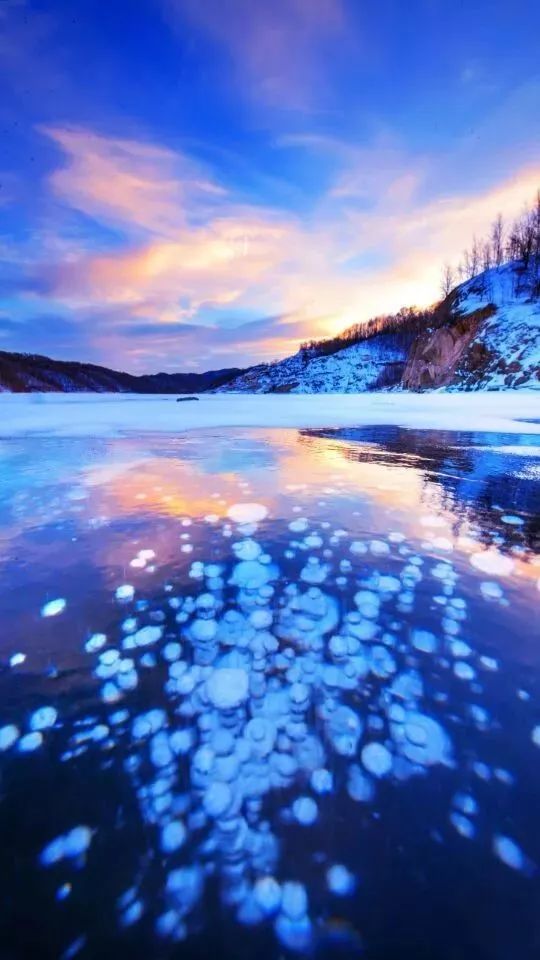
99 415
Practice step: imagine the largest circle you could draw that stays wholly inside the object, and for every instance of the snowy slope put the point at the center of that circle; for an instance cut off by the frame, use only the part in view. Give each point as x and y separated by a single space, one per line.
352 370
510 339
485 335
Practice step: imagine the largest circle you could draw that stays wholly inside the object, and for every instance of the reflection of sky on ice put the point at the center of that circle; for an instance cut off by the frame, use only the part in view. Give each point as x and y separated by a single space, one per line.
271 672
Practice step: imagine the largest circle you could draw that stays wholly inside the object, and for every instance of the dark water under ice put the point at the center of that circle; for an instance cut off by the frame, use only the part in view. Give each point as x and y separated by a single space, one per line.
305 727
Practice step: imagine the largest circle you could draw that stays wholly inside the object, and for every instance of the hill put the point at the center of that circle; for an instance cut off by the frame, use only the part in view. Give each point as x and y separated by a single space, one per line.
26 373
484 335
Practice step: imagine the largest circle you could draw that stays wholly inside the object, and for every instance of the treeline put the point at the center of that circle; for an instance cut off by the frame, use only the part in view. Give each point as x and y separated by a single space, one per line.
517 241
403 325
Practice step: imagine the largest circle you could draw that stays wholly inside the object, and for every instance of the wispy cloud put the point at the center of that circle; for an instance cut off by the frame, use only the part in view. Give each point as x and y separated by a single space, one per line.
276 50
190 254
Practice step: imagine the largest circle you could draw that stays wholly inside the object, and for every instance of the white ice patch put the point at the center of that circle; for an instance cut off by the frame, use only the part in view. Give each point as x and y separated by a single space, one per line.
492 562
247 512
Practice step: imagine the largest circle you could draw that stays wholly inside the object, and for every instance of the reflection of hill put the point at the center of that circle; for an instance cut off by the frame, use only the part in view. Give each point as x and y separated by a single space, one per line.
487 472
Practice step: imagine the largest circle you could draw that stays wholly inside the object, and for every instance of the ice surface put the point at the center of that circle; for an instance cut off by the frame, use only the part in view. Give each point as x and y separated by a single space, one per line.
98 415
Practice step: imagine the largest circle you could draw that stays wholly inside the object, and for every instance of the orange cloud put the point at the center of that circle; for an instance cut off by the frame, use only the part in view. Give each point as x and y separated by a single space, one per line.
192 244
130 182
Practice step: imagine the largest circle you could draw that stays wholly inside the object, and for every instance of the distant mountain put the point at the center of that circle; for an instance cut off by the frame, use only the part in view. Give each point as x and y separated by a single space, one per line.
484 335
26 373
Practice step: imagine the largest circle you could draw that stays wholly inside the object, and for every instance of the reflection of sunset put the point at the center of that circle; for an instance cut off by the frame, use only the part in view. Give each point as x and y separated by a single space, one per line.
297 470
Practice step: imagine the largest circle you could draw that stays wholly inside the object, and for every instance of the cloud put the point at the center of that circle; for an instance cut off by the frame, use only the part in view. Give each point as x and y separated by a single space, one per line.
133 184
190 259
277 51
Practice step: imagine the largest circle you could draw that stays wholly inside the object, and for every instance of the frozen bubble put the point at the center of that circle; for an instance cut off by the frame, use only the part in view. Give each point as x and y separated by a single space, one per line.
110 692
217 799
109 657
260 619
227 688
77 841
425 741
247 549
322 780
482 770
124 592
247 512
460 649
493 562
305 811
299 525
359 787
424 641
512 520
95 642
8 736
490 590
132 914
30 742
509 853
343 727
147 554
389 584
489 663
379 548
463 670
465 803
53 852
340 881
267 894
535 735
53 607
368 604
294 901
462 824
377 759
147 635
16 659
358 547
294 934
172 651
173 836
43 718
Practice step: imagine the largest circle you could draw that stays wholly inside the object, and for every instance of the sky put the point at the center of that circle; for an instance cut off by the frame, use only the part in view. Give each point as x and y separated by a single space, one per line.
195 184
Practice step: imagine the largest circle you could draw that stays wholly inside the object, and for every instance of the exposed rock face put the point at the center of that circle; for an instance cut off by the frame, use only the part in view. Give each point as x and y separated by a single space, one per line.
435 356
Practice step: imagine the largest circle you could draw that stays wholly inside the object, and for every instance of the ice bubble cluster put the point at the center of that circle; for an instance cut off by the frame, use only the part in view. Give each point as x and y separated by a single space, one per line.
243 701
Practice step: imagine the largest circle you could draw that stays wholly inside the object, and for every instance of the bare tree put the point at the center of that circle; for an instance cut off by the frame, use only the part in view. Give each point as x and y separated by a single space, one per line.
447 280
497 240
475 257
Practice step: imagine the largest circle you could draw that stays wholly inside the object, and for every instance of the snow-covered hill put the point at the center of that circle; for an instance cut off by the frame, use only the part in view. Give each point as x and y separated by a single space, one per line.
485 335
506 350
362 366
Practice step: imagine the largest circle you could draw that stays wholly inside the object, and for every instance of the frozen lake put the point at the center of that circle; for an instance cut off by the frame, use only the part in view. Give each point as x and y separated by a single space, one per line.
270 691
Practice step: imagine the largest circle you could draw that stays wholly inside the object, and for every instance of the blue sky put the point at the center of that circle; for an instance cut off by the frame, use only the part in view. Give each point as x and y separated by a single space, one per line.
190 185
